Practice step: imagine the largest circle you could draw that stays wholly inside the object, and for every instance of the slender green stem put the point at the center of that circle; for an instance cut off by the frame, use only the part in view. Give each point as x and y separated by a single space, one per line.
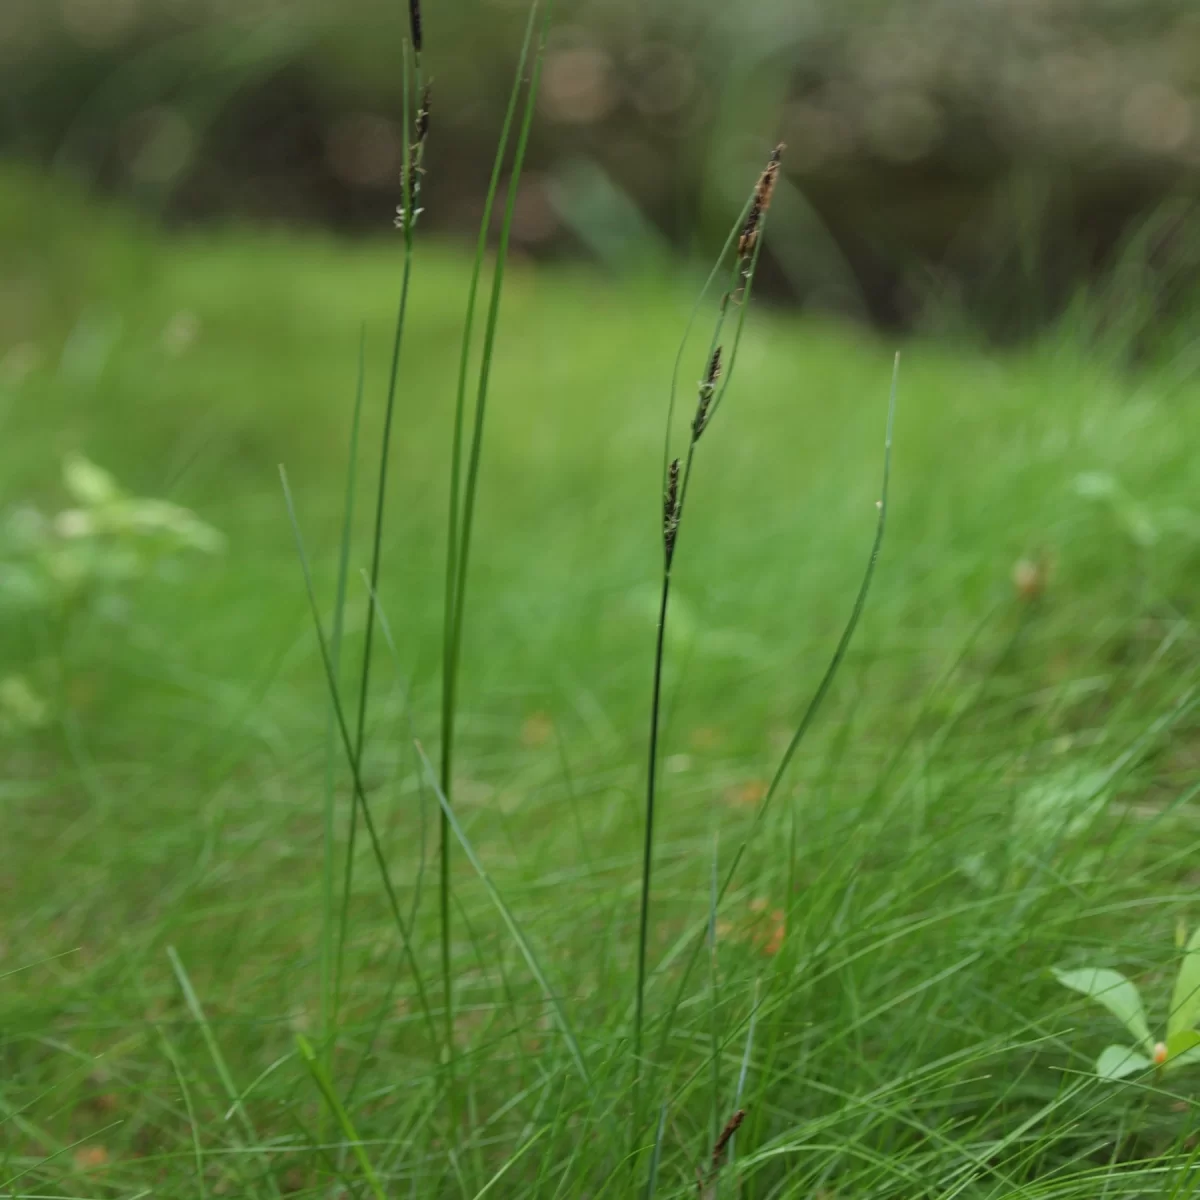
377 538
386 1008
495 1179
848 633
328 951
652 788
464 360
714 999
664 601
462 515
648 836
514 928
485 369
656 1154
325 1087
652 777
745 1070
189 1108
348 746
253 1143
822 690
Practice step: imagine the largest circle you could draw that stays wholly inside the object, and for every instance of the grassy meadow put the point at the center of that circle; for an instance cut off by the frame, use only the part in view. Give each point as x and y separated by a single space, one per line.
1002 780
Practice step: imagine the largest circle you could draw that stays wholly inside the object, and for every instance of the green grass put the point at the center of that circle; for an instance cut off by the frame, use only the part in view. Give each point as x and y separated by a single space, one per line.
891 928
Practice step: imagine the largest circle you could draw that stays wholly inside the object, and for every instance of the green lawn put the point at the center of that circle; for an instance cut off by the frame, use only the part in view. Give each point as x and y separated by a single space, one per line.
997 785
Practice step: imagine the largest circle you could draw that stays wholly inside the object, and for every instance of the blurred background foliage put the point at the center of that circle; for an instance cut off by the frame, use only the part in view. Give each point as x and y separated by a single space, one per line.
946 160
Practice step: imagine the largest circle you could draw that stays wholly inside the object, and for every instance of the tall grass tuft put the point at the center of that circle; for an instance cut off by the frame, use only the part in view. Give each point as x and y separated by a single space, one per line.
464 477
466 456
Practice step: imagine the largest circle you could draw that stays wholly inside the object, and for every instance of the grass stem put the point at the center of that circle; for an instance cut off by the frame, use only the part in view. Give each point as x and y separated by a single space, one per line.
364 689
462 508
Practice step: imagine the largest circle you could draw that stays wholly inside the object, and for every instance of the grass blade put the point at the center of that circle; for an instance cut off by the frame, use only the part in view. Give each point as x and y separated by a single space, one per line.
818 698
656 1154
390 642
743 1074
340 1115
714 1036
214 1052
351 758
186 1093
460 399
462 519
364 690
495 1179
518 935
330 958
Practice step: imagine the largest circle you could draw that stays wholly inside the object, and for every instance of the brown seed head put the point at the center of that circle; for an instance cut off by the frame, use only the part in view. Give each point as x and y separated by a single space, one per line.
731 1127
671 499
671 509
707 387
714 369
763 191
422 122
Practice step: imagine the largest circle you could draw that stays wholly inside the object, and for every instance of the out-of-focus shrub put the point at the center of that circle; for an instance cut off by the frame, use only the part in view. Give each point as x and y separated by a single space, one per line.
81 562
935 148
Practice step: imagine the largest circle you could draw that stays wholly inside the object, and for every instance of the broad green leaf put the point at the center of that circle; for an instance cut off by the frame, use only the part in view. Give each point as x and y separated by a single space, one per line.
1116 993
1189 1058
1178 1044
88 483
1185 1000
1118 1061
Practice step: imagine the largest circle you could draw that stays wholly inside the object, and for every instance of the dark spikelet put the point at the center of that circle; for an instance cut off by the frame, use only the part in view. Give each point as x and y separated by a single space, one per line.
731 1127
416 158
415 171
707 388
705 1184
714 369
671 499
671 509
422 122
414 20
763 191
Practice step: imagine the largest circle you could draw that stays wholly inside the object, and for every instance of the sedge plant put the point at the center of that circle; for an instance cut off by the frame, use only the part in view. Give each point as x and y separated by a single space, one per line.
745 242
466 457
742 251
464 480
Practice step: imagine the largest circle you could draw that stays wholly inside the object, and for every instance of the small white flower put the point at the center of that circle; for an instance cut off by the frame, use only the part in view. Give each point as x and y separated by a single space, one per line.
74 523
402 216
